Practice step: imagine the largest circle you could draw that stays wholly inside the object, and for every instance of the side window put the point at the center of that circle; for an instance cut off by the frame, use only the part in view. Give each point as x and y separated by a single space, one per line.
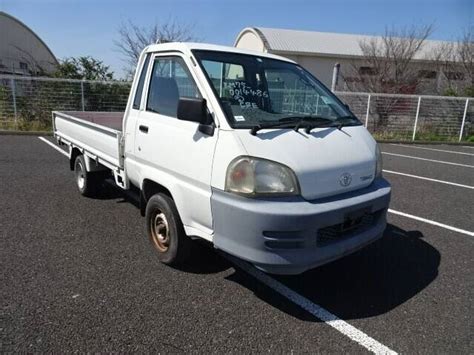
141 82
169 82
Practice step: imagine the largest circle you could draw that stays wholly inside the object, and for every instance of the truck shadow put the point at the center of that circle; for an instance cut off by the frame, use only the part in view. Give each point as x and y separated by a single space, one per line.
370 282
204 259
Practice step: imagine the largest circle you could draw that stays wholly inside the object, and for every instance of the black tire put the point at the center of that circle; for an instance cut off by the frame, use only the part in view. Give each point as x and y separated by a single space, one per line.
88 183
165 230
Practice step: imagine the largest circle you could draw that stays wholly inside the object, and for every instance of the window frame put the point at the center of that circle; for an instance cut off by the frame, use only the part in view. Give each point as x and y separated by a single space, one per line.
427 74
366 70
151 64
144 71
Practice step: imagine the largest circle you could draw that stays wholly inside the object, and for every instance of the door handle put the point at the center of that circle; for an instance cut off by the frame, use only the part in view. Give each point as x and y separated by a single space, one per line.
143 129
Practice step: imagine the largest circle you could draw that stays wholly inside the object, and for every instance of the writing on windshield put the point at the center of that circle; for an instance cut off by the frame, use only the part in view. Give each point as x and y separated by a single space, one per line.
255 89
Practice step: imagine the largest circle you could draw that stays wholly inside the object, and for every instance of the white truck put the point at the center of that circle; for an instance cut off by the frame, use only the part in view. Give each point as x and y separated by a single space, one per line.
246 150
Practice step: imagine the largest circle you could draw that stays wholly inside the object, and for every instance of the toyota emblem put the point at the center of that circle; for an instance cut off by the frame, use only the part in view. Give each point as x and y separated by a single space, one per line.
345 179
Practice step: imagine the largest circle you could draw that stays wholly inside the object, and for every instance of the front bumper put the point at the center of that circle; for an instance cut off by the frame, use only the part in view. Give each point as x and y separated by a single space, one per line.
292 235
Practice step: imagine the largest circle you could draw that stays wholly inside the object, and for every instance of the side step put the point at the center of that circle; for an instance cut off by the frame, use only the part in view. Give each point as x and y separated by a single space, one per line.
120 179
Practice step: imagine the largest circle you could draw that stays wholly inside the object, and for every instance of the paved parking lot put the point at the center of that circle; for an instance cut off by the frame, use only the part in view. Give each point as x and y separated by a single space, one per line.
79 275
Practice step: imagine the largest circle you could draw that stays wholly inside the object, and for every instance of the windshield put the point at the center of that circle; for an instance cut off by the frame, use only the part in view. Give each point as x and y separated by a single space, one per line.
257 90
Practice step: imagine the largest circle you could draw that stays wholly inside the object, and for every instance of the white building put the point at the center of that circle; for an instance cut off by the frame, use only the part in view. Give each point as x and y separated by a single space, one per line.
22 52
318 52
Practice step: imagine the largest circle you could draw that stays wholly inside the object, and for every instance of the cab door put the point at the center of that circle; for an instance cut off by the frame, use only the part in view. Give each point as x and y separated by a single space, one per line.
132 114
172 152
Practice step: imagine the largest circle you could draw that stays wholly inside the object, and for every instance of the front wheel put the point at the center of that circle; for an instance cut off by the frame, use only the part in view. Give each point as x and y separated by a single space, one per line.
165 230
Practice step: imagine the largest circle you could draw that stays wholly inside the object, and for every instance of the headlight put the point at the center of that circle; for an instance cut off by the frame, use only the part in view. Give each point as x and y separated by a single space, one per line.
255 176
379 165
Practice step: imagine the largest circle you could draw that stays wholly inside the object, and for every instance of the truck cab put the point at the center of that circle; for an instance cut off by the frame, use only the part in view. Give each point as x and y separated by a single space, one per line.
246 150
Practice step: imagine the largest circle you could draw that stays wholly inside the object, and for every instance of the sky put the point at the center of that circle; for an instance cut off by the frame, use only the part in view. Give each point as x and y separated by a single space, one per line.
86 27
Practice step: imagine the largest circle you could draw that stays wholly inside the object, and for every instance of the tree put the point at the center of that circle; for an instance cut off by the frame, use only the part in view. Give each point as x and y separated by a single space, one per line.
465 54
388 61
455 65
387 66
84 68
133 39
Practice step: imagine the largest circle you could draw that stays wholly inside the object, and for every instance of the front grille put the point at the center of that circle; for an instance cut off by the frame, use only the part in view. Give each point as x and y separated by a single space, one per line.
347 229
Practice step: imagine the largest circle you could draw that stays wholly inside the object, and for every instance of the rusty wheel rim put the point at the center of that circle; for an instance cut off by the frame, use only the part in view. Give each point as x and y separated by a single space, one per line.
160 232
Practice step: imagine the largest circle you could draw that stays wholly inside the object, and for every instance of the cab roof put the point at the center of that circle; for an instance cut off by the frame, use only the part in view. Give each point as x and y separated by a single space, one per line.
187 47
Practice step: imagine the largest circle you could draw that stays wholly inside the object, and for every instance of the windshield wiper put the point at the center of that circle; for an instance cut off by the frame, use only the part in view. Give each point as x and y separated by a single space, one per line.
277 124
295 122
312 121
338 123
307 121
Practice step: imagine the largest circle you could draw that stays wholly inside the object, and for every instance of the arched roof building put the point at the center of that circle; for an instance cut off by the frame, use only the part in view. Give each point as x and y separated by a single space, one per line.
22 51
320 51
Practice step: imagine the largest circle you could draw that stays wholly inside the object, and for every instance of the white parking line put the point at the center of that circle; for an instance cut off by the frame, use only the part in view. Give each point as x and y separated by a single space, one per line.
432 160
429 221
317 311
54 146
429 179
435 150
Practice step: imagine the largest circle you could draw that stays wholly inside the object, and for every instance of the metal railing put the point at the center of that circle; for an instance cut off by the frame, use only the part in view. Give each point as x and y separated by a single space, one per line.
413 117
26 104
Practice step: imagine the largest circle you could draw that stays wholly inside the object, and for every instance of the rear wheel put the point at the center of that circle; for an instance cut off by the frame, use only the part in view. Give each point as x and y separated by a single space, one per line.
165 230
88 183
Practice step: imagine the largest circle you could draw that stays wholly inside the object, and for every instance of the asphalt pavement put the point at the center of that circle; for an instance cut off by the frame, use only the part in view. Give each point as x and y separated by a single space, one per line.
79 275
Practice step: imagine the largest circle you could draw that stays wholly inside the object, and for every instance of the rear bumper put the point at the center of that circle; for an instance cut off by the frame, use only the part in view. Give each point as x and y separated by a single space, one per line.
292 235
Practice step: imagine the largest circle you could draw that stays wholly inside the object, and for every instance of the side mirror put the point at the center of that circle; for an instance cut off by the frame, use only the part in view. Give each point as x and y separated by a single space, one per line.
191 109
195 110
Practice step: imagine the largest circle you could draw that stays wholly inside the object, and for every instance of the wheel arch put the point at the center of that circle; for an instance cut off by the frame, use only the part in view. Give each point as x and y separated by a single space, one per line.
74 153
148 189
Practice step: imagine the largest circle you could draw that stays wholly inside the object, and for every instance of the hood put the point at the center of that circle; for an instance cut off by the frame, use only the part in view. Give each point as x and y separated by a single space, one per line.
326 162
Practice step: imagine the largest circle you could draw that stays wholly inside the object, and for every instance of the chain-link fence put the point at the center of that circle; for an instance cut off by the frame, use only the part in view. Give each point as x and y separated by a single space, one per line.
411 117
26 104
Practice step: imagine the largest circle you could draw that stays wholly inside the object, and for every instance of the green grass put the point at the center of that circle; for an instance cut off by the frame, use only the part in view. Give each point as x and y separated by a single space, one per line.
26 126
391 136
421 136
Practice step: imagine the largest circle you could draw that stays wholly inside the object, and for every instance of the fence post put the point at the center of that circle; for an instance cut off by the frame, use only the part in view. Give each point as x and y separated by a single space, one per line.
13 88
82 95
367 113
463 120
416 118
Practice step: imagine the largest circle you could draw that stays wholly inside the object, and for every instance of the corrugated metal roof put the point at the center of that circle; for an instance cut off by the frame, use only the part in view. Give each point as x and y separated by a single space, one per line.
324 43
4 15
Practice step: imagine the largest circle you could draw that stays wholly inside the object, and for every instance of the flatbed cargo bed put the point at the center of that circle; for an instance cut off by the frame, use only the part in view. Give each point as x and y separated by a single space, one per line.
96 134
109 119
